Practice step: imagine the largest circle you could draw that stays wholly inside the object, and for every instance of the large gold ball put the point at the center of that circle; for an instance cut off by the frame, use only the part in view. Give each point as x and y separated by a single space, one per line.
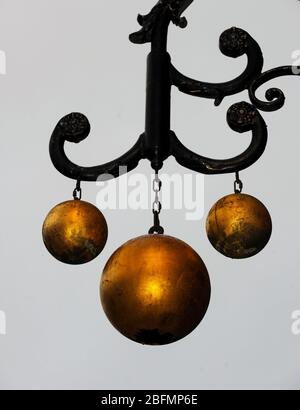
239 226
155 289
75 232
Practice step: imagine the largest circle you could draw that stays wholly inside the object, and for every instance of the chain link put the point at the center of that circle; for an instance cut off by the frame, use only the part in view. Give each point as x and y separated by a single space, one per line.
77 193
157 185
156 206
238 184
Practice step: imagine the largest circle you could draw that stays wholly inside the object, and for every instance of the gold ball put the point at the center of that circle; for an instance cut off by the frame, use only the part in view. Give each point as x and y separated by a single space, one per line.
155 289
239 226
75 232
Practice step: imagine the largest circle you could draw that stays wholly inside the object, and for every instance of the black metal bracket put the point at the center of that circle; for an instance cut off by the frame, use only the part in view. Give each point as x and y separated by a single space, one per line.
158 141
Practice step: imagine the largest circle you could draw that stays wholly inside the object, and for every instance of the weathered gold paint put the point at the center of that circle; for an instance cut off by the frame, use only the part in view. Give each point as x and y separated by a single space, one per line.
155 289
239 226
75 232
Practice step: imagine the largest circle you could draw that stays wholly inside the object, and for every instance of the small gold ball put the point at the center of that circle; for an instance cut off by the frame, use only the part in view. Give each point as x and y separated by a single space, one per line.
75 232
239 226
155 289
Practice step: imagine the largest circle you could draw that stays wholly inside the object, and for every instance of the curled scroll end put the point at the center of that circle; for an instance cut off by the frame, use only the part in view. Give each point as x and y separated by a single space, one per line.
276 98
234 42
241 116
275 94
74 127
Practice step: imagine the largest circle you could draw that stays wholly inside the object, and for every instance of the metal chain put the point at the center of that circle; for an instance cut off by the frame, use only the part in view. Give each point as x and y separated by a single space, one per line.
77 193
156 206
238 184
157 185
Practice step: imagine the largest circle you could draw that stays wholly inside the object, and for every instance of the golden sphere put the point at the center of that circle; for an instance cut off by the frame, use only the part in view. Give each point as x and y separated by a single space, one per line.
155 289
239 226
75 232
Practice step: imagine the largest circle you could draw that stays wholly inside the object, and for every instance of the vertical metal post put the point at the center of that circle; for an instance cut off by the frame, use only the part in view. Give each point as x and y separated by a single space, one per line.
158 99
158 102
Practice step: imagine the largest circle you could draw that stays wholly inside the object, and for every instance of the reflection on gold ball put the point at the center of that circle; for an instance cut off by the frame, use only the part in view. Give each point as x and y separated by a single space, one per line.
239 226
155 289
75 232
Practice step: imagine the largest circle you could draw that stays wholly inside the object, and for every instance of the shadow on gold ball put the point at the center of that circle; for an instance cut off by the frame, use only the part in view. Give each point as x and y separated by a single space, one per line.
239 226
155 289
75 232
